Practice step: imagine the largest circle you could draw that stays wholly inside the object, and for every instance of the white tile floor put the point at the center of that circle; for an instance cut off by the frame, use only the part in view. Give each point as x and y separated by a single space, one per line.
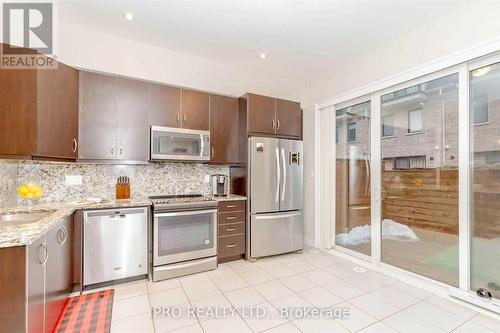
376 303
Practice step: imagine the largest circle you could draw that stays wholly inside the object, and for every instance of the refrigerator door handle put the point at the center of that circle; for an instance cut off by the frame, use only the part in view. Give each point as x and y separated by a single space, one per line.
280 216
284 175
279 175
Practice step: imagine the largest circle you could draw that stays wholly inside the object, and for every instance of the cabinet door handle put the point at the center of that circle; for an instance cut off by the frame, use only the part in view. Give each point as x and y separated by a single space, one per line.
45 254
230 245
65 235
112 150
231 218
278 124
185 118
274 123
178 119
231 206
121 150
230 229
213 151
75 146
60 236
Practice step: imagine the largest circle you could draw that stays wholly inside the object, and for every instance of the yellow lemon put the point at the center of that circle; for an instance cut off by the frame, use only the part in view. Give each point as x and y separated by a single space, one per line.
38 193
29 196
23 190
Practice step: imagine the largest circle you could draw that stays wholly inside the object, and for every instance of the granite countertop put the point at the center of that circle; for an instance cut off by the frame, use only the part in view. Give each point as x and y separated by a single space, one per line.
230 197
26 233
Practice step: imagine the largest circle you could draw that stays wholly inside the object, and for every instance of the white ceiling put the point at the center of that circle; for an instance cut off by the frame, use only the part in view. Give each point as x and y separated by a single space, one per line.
302 38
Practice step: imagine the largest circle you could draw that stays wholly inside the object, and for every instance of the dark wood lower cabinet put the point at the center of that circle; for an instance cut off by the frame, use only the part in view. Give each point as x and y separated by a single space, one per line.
231 230
59 270
35 281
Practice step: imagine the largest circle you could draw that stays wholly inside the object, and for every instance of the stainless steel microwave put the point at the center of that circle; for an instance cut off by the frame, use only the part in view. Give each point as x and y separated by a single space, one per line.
168 143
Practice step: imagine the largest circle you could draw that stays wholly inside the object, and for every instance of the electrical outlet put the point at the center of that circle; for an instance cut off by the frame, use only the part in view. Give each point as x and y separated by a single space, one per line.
72 180
207 178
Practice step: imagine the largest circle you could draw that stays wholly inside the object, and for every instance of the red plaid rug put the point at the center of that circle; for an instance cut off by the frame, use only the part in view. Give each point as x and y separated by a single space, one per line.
87 313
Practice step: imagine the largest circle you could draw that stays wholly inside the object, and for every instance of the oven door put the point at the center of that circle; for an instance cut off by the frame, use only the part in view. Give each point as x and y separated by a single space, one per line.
179 144
180 236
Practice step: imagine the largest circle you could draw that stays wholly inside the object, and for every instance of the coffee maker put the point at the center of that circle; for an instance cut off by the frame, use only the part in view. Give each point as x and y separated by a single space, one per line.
219 185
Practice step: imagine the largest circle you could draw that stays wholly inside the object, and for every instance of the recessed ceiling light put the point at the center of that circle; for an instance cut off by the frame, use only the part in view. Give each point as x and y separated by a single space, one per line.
481 71
129 16
263 56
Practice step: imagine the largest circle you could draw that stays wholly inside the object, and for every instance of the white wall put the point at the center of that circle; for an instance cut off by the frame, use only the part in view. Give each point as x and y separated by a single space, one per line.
462 28
97 51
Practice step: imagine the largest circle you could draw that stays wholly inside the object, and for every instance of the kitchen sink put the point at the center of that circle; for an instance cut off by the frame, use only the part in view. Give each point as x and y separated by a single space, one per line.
25 217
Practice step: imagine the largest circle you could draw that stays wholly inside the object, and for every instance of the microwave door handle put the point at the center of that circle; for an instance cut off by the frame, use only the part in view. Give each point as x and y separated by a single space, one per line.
278 176
202 145
284 174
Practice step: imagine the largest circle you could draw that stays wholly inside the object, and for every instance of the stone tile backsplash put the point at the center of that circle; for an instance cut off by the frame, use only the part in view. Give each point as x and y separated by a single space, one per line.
99 179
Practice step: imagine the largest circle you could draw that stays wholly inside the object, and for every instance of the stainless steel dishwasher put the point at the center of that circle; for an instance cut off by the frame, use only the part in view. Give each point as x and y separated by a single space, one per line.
115 244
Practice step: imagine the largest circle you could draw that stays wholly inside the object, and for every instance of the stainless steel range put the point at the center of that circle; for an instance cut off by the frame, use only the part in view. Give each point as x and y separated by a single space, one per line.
184 235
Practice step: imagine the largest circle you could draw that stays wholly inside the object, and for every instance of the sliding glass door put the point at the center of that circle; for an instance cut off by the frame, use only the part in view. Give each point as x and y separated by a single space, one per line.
484 119
352 163
419 178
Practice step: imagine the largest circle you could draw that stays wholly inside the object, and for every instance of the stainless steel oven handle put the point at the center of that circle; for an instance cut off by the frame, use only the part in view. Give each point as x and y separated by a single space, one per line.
190 212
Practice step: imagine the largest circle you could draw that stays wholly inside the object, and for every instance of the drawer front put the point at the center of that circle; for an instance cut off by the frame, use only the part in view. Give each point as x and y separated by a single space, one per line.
231 229
231 246
232 217
231 206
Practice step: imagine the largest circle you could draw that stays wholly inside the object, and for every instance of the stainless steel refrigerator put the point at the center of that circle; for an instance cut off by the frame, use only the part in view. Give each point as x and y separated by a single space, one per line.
275 186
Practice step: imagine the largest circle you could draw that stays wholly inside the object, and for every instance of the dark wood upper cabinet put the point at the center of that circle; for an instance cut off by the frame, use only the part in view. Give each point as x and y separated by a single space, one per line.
273 116
113 118
17 112
164 106
97 116
39 113
195 110
261 114
223 129
57 117
132 120
288 118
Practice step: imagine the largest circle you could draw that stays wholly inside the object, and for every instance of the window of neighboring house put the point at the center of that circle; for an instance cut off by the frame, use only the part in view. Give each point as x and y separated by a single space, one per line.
415 121
388 125
410 162
480 109
351 132
337 134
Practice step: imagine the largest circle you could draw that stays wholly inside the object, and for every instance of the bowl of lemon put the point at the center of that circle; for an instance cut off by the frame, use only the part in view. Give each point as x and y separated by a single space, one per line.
30 190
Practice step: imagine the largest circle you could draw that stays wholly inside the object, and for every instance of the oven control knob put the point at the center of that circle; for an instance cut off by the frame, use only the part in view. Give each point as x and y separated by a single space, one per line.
207 241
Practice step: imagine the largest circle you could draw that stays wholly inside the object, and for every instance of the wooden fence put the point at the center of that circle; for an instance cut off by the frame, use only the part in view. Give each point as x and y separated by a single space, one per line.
422 198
